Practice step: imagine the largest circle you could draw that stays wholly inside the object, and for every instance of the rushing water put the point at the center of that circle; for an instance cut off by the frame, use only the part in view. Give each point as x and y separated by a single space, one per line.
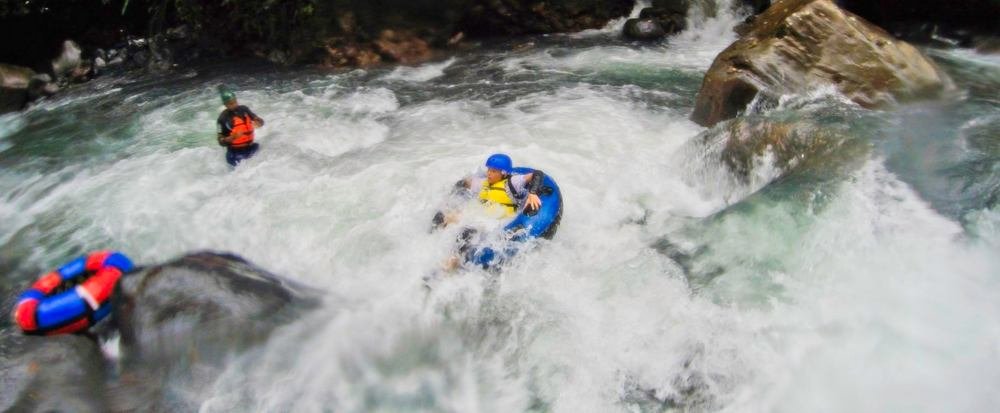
867 280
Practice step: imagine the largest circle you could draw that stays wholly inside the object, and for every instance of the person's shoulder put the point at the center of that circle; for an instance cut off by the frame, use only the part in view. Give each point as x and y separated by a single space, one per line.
224 115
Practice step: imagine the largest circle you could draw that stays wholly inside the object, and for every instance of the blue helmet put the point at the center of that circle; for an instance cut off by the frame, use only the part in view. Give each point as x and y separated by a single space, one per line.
501 162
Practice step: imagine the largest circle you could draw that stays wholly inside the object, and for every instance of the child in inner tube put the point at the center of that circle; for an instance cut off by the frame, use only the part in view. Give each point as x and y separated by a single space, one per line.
501 191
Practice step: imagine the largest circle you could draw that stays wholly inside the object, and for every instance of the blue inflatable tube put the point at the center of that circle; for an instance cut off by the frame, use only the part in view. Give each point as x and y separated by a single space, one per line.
525 226
73 297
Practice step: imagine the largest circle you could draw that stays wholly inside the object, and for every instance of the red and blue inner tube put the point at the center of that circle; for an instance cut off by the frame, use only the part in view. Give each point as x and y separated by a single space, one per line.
50 306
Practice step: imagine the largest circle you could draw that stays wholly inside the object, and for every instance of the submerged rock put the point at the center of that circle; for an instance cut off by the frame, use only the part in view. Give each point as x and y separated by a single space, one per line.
788 145
14 82
798 45
61 373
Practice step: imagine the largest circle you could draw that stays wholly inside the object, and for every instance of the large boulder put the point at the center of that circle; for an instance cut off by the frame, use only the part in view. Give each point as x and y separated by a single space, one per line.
62 373
14 81
203 296
182 320
798 45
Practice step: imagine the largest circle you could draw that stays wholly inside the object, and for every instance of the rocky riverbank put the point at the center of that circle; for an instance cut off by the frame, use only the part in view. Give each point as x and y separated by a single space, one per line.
157 36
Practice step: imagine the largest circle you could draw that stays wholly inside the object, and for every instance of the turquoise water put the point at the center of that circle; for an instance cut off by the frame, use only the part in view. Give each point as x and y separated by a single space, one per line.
860 277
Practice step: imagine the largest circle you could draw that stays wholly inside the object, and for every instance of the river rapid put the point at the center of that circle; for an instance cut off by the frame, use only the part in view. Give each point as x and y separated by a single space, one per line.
865 281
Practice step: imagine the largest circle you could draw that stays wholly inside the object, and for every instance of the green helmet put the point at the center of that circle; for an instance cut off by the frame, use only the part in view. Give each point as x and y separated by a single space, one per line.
227 96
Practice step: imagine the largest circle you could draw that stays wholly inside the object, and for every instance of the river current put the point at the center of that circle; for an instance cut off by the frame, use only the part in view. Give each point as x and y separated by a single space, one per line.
867 281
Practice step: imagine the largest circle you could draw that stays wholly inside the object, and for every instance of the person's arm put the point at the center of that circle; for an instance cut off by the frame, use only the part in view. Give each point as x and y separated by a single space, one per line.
222 135
257 120
534 184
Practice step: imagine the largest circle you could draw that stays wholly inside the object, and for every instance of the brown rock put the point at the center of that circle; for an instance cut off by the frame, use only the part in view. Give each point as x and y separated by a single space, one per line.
350 55
403 47
14 81
789 145
796 45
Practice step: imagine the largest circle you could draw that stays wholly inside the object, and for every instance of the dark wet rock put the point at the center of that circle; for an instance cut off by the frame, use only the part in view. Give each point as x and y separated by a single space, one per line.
520 47
140 58
643 29
14 82
514 17
181 32
798 45
671 21
180 321
915 21
689 260
927 33
68 61
203 295
403 47
672 6
41 85
81 73
757 6
62 373
989 44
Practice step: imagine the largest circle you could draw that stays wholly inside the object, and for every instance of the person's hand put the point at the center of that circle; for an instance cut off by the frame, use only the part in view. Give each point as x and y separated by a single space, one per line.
257 123
533 202
452 217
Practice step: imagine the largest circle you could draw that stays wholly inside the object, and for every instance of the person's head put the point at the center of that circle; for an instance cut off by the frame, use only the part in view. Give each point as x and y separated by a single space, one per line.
228 99
497 167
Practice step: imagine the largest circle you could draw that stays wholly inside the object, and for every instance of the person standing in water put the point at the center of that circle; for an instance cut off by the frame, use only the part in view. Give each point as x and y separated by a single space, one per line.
236 126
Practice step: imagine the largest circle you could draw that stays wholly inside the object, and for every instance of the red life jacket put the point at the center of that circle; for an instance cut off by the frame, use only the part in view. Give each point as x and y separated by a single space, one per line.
244 124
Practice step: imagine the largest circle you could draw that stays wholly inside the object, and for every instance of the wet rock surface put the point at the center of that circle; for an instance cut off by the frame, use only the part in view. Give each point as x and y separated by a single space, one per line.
14 82
182 320
799 45
207 297
51 374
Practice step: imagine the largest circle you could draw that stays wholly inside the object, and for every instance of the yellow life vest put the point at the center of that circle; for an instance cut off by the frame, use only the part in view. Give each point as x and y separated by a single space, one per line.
496 197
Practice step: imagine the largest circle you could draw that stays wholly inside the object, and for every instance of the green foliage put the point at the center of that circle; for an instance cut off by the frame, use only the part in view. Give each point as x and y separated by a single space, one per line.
248 24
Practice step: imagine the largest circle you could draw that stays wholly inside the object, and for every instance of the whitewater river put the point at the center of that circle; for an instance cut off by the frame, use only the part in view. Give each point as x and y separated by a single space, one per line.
866 281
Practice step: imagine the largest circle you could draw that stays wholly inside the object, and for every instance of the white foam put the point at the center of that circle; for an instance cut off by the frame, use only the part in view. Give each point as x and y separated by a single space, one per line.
420 73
